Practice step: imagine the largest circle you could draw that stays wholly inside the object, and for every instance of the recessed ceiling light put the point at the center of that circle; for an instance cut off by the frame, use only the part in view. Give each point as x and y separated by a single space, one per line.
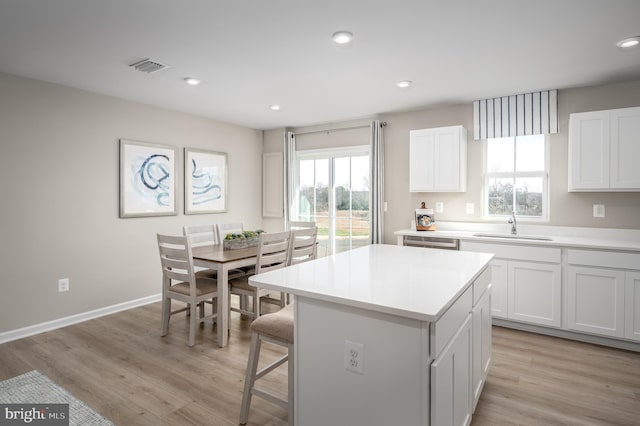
275 107
192 81
628 43
342 37
404 84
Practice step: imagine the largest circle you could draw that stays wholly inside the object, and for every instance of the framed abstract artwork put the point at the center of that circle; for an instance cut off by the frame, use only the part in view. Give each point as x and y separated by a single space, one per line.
205 181
147 179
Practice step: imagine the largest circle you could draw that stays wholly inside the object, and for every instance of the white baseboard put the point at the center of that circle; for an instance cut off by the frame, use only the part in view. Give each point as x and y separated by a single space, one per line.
20 333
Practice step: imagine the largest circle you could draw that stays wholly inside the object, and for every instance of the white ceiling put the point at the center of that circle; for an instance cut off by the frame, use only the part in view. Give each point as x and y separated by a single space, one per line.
253 53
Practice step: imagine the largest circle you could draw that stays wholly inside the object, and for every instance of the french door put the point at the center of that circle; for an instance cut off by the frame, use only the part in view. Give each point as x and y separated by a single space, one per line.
332 189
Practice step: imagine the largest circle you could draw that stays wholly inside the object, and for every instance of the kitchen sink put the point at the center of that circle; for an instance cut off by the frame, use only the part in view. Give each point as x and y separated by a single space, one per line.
514 237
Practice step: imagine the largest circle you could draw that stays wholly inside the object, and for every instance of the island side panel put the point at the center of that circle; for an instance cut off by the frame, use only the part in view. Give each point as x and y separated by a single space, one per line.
393 388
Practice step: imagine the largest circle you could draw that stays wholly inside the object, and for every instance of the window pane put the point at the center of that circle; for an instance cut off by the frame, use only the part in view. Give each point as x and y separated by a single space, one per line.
500 155
529 196
500 193
530 153
306 203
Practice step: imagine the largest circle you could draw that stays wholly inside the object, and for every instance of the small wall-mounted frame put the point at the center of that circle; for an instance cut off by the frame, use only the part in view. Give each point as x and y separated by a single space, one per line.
205 181
148 174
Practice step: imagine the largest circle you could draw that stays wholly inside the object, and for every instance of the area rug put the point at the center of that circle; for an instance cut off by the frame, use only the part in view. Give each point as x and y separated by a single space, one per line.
36 388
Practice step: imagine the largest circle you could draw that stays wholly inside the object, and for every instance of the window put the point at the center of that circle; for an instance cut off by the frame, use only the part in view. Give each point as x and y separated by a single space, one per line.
516 177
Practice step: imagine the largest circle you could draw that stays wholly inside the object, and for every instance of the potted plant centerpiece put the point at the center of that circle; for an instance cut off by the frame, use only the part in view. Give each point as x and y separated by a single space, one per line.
244 239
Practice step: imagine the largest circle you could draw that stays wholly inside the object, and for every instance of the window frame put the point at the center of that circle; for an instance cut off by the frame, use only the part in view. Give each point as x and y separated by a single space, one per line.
545 217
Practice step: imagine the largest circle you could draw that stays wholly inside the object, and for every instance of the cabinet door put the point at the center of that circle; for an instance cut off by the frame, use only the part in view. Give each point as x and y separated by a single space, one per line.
535 291
589 150
596 300
421 148
481 352
451 381
625 148
448 153
632 307
499 298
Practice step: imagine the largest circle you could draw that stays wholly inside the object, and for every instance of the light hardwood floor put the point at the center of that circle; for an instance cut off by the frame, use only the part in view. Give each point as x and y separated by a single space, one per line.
120 366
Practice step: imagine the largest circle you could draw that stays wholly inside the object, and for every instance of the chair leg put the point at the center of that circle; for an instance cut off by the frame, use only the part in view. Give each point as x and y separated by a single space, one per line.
250 377
290 366
166 312
256 305
192 324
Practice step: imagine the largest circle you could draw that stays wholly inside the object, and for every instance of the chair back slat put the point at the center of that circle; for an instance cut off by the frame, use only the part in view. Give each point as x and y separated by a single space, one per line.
296 224
273 251
303 245
176 259
202 235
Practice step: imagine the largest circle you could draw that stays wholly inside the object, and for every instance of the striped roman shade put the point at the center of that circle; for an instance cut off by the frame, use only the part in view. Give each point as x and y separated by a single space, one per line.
527 114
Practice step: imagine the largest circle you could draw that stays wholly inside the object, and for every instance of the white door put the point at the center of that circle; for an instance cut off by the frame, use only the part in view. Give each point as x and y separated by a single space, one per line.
596 300
589 150
421 159
625 148
333 191
632 307
451 381
481 353
499 298
535 293
446 170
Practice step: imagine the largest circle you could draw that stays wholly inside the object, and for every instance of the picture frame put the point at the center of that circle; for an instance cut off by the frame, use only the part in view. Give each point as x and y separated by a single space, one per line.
148 174
205 181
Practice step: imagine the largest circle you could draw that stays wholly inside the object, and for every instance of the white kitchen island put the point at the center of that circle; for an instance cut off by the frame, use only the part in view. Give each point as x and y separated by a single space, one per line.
388 335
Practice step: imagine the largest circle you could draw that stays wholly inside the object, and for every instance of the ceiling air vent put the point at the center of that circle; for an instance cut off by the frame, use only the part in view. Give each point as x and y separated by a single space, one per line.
149 66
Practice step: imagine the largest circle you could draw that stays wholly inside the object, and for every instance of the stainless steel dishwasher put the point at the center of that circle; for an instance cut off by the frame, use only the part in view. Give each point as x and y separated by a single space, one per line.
431 242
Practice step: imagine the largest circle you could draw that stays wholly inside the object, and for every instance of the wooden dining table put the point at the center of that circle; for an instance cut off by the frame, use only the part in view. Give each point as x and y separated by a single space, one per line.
216 258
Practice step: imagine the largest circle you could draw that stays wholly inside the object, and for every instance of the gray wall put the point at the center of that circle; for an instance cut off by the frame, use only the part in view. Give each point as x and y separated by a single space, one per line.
59 189
566 209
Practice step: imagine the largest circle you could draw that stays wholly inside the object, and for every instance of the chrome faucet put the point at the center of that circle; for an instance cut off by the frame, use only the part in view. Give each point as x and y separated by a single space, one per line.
512 221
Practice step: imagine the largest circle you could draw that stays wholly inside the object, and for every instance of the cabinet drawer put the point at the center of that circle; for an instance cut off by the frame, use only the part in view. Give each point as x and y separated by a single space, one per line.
447 326
516 252
606 259
481 284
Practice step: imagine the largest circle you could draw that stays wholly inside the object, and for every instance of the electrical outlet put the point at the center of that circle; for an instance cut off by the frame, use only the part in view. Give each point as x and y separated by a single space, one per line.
385 206
63 285
354 357
598 210
470 208
439 207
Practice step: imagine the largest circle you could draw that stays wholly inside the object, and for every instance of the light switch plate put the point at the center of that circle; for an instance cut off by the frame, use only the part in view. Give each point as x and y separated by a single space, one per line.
439 207
470 208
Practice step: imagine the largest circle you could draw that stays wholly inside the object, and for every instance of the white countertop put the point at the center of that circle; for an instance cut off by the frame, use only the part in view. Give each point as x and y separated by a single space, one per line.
410 282
586 238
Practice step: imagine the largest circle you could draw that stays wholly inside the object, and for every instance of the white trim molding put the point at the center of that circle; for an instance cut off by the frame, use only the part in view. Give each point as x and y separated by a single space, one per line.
31 330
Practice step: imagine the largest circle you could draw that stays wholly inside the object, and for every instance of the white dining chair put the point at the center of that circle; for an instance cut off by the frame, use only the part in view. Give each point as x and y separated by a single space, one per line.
276 328
304 245
273 253
297 224
179 282
202 235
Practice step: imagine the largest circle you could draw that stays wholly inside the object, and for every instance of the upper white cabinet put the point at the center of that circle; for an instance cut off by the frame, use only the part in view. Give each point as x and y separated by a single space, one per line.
604 147
438 159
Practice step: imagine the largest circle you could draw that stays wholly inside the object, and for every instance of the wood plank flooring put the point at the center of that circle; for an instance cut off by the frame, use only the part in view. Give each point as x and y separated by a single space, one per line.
121 367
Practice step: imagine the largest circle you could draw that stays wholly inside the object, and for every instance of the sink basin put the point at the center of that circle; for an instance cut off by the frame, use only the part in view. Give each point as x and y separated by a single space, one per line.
514 237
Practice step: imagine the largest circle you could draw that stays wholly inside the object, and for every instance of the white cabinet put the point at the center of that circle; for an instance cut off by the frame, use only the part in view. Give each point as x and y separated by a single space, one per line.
632 306
595 300
527 282
499 279
481 349
604 147
535 293
438 159
604 293
451 380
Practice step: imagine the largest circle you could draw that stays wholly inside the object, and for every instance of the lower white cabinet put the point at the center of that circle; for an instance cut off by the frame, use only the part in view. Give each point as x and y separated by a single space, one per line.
632 307
595 300
535 293
481 349
603 292
527 282
499 299
451 380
